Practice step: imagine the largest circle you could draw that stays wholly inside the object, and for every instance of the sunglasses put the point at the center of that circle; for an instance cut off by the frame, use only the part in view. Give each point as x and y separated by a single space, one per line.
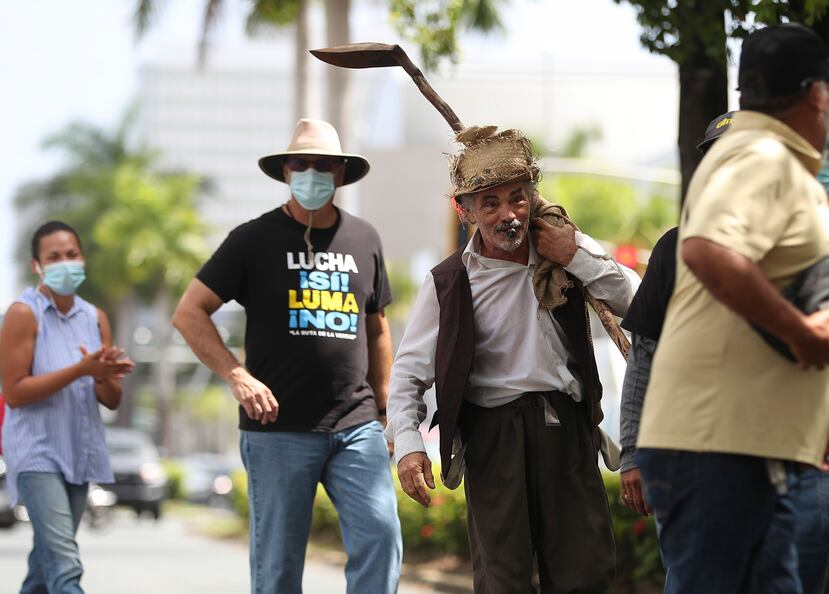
324 165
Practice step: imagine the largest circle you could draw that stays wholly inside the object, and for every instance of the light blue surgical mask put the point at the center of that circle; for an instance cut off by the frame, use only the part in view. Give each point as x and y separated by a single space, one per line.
311 188
64 277
823 174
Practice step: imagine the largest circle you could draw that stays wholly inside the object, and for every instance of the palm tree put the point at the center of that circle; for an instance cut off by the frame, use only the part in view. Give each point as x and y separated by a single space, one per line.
79 191
152 240
434 27
434 32
338 32
141 230
263 13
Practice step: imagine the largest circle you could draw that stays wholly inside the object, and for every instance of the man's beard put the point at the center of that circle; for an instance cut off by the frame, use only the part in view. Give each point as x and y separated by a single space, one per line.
515 232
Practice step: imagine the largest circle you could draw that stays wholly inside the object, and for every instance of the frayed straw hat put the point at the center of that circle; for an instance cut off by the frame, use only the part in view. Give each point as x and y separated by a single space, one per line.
490 158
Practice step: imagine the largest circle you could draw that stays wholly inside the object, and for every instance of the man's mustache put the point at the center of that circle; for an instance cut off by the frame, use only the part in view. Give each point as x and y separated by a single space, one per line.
511 229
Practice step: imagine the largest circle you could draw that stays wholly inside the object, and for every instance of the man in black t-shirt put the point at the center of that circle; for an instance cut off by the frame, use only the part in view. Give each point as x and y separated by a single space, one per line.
644 321
313 387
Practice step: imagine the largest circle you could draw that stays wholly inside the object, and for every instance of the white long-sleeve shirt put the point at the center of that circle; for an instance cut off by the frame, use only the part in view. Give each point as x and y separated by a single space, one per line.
518 345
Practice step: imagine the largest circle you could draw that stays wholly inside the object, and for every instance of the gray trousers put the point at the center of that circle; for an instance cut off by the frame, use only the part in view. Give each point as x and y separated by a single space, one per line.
535 496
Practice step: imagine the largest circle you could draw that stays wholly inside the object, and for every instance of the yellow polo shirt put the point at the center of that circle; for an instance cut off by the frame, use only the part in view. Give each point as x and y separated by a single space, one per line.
716 386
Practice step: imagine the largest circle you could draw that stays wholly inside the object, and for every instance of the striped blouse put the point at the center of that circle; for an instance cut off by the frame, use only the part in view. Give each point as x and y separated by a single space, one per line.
63 433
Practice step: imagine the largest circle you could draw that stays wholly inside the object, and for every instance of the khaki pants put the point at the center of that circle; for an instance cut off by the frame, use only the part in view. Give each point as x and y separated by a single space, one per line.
534 493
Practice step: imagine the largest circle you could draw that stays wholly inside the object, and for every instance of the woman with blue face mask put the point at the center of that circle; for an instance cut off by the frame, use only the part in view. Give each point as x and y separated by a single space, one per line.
58 364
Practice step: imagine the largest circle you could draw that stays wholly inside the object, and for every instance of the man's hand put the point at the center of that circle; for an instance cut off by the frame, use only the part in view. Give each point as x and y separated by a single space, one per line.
632 495
415 473
254 396
556 244
810 345
740 285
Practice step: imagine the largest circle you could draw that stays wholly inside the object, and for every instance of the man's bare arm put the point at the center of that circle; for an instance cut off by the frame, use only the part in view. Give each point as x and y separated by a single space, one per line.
739 284
192 319
379 359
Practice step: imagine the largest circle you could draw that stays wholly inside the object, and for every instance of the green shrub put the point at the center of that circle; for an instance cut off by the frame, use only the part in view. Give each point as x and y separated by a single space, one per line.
637 550
433 531
175 478
440 529
325 521
239 494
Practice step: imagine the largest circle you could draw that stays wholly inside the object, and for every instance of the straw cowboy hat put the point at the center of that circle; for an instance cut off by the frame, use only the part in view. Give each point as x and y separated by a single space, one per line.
315 137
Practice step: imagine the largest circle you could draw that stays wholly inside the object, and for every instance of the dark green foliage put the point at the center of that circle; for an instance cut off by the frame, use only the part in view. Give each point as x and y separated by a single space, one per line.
275 13
685 29
434 25
278 13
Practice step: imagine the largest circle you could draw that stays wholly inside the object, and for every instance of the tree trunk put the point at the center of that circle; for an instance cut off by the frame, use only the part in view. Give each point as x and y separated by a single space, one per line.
703 80
703 95
301 99
122 337
338 32
164 371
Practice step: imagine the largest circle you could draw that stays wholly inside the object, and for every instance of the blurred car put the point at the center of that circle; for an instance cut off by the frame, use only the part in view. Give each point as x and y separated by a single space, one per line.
140 481
7 516
208 478
99 504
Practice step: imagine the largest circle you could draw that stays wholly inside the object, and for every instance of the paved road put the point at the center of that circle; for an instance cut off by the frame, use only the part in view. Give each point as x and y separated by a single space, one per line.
137 557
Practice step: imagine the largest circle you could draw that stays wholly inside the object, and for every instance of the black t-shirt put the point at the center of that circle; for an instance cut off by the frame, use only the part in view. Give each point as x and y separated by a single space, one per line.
646 313
305 336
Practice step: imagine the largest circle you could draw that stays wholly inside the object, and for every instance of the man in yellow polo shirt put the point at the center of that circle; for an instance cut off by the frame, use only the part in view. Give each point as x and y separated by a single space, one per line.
725 415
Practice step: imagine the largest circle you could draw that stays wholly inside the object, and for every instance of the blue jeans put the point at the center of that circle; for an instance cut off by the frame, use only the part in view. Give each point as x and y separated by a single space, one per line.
353 466
55 509
811 500
716 511
777 569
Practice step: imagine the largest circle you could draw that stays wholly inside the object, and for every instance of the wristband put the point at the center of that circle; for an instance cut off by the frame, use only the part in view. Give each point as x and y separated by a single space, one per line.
381 412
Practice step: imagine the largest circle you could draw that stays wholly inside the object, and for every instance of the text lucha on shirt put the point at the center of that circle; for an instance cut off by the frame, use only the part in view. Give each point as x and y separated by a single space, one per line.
322 305
325 261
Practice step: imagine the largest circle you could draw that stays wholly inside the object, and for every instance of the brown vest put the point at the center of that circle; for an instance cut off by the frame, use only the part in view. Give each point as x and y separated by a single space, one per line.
456 347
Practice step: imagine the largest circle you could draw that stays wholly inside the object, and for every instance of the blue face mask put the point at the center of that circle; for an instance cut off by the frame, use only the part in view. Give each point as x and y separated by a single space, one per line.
65 277
823 174
311 188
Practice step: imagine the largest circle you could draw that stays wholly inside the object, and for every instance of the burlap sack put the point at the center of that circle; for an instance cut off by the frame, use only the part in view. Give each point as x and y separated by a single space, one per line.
490 158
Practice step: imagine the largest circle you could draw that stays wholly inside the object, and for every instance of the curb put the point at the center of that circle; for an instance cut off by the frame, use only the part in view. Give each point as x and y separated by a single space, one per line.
439 581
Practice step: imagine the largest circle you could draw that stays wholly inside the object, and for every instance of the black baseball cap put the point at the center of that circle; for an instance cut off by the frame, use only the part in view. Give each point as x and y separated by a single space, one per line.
715 129
781 60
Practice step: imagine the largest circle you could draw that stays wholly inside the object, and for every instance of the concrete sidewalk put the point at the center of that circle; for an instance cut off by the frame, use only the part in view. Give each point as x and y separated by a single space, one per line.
132 556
